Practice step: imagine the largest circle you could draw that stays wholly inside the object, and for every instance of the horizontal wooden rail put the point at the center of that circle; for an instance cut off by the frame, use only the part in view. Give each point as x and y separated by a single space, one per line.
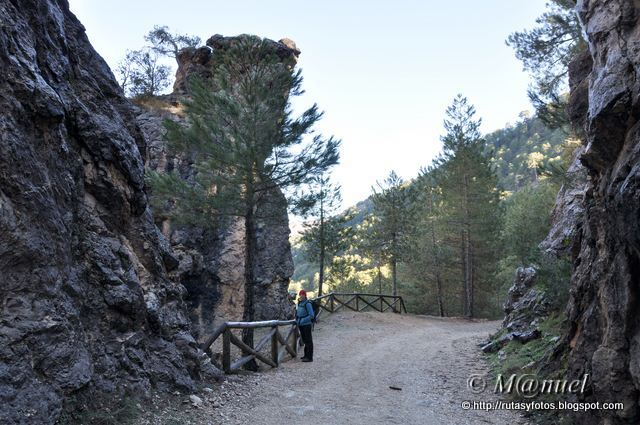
263 324
358 293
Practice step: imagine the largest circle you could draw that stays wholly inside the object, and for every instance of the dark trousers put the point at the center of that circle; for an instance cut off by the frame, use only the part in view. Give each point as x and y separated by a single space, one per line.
305 334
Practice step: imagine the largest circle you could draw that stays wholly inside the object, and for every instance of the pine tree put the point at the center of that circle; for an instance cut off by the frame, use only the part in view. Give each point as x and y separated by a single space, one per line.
245 144
325 236
426 251
546 52
391 206
527 221
141 74
470 199
371 245
166 43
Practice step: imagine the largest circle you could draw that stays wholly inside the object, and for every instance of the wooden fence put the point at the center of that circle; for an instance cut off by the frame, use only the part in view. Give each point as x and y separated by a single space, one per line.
335 301
285 345
281 345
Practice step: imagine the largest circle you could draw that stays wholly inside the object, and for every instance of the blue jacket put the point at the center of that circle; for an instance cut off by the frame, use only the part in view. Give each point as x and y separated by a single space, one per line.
304 313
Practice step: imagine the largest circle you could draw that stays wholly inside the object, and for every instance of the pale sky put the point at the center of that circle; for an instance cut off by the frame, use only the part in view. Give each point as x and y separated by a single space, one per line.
383 71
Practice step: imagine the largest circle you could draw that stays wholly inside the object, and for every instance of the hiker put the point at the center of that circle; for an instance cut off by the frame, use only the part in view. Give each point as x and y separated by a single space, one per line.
304 318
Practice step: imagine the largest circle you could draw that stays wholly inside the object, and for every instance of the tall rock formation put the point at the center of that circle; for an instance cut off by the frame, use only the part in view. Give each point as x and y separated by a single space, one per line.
86 306
604 306
211 260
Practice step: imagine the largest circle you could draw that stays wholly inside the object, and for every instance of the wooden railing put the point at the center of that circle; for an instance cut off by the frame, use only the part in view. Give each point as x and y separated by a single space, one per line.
286 346
334 301
280 345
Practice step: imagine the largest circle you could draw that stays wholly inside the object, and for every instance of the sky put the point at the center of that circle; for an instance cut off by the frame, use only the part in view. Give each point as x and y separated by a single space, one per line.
383 72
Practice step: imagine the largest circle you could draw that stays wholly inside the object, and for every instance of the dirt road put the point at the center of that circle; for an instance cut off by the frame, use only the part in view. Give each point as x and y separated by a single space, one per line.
358 356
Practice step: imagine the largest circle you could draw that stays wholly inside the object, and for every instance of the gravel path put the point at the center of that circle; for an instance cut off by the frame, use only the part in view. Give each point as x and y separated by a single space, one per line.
358 356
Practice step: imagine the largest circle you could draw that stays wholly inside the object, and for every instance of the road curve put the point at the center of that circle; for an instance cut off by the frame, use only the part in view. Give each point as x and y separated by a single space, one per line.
358 357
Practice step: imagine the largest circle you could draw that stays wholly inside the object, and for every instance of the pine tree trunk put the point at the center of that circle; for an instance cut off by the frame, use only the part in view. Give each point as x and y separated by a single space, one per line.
436 260
469 275
440 301
464 275
394 267
321 275
249 279
436 263
468 278
472 277
394 264
380 279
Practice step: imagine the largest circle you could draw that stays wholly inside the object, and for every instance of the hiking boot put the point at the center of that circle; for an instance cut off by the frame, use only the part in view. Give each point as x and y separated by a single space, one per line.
306 360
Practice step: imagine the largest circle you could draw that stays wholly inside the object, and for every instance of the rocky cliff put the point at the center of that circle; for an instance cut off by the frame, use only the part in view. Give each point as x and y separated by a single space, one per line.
86 303
603 310
211 260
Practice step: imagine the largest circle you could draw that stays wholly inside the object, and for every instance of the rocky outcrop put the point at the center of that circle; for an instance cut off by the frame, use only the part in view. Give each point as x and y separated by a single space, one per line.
568 212
211 259
86 305
526 306
603 310
201 62
274 263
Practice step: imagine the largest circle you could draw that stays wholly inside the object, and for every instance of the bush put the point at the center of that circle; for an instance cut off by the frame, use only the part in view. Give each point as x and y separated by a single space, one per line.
554 276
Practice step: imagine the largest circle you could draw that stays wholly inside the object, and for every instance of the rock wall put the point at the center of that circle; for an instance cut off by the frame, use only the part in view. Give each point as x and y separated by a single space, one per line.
604 308
568 212
211 260
86 305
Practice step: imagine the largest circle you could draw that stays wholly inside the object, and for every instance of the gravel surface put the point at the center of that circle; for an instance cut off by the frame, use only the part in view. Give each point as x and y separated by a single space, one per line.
358 357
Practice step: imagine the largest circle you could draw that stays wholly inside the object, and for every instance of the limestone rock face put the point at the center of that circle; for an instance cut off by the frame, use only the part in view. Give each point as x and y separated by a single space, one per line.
202 61
568 212
525 305
86 306
274 263
603 309
211 260
524 308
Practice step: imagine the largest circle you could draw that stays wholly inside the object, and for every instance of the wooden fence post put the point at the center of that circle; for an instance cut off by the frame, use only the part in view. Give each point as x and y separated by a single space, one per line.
274 345
226 351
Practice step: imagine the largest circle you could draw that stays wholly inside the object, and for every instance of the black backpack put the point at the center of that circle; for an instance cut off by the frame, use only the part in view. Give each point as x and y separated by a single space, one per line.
315 304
